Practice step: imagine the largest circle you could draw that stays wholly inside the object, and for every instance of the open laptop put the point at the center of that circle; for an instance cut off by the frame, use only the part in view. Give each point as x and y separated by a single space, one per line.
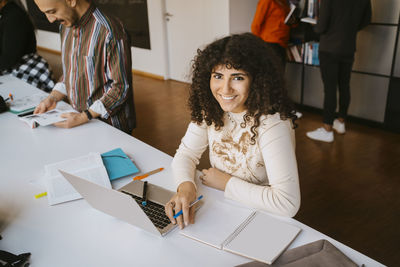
124 203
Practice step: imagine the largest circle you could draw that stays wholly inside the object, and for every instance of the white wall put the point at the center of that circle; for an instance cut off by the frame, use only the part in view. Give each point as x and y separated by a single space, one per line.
152 61
241 13
192 25
216 20
155 60
48 40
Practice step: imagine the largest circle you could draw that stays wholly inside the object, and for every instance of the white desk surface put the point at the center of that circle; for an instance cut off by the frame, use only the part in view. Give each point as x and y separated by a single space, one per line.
73 233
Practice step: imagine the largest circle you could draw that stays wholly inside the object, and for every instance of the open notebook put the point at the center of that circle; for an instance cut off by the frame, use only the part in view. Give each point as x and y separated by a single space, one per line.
242 231
44 119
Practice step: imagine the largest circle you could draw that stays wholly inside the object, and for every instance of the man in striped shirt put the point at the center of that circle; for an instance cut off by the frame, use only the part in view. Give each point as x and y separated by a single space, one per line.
96 59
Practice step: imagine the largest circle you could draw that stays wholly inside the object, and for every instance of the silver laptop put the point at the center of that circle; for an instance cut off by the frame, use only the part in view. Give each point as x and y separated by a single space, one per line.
124 203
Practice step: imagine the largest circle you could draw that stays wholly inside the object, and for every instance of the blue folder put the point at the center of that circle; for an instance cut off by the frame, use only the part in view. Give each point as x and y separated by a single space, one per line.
118 164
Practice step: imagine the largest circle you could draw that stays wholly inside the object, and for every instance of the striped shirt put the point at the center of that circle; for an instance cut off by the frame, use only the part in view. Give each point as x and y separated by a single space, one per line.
97 73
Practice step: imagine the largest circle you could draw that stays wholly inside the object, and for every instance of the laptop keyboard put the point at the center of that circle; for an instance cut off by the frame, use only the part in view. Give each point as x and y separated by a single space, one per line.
154 211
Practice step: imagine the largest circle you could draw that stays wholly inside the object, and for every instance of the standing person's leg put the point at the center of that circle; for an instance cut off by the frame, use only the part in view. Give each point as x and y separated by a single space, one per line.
345 67
329 74
344 86
329 67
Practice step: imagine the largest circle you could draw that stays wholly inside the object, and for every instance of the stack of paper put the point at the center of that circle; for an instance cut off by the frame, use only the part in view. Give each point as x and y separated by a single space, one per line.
89 167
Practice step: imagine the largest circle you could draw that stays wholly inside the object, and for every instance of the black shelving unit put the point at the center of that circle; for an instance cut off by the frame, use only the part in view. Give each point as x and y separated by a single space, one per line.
304 80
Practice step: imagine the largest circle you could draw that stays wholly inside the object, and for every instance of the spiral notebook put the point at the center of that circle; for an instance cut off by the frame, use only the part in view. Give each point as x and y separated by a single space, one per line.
239 230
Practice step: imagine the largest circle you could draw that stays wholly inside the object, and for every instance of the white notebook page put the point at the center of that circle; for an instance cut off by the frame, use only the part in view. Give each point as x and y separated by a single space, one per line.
263 239
215 221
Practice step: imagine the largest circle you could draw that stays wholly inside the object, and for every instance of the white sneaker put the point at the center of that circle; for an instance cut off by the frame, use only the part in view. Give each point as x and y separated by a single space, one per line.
339 126
299 114
321 135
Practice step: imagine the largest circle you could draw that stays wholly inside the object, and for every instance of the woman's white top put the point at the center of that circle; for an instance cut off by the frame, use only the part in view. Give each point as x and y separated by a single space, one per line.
264 175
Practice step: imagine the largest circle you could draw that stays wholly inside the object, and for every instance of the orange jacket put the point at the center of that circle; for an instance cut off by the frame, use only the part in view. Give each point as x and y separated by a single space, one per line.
268 22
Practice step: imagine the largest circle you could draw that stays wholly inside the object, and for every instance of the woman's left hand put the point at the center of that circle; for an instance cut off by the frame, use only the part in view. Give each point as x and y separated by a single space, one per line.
215 178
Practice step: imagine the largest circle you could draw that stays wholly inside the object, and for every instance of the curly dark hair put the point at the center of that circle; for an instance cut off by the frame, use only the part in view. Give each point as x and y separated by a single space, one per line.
248 53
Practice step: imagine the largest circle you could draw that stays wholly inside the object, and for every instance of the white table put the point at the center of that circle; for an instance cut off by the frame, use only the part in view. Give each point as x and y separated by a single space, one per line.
73 233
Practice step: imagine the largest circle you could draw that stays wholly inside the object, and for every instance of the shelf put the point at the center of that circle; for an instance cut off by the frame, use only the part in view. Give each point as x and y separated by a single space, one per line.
383 24
353 71
375 87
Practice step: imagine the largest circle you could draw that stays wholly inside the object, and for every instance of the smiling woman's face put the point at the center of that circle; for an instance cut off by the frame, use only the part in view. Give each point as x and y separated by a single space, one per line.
230 88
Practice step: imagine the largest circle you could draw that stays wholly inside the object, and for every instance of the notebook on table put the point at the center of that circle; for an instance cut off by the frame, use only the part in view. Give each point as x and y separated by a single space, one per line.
118 164
239 230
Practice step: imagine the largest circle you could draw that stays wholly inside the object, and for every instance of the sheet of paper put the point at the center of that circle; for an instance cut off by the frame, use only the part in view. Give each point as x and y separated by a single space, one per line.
89 167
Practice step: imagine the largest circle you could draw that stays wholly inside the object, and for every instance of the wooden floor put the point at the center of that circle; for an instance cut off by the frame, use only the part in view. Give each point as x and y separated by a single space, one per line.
350 188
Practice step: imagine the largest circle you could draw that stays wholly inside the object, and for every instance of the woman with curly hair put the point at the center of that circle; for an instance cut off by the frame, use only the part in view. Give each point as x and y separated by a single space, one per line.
240 110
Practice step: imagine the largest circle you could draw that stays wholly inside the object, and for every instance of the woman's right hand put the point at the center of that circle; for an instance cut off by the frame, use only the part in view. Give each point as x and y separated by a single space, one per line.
185 195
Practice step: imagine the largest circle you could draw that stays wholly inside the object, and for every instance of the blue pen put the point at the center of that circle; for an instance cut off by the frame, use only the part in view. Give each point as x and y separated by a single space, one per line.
191 204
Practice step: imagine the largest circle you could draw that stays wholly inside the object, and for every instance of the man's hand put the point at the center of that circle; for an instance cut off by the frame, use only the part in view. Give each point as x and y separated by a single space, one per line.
48 103
73 119
215 178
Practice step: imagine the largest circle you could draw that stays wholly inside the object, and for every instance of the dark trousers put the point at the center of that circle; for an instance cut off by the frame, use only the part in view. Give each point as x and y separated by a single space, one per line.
335 73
